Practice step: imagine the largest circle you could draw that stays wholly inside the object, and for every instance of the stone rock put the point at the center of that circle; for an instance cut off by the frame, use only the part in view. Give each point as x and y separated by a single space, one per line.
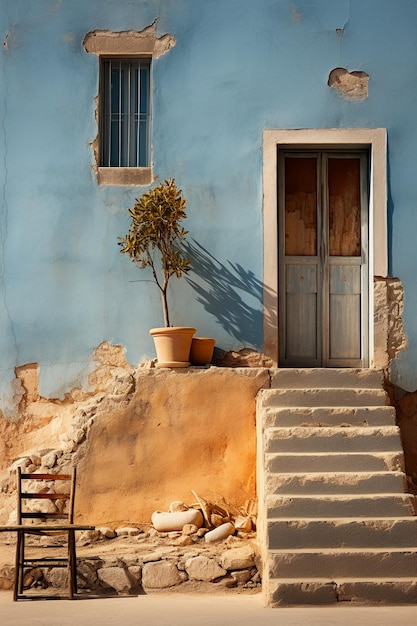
49 460
241 576
58 578
109 533
136 572
204 568
228 582
117 578
161 574
238 558
218 520
6 577
183 540
166 522
87 575
189 529
34 578
128 531
89 536
220 533
244 358
78 436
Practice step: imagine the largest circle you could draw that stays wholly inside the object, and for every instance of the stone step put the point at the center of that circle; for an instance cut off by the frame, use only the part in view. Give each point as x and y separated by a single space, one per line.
353 439
319 591
323 397
326 416
336 483
372 505
290 534
293 378
334 462
336 563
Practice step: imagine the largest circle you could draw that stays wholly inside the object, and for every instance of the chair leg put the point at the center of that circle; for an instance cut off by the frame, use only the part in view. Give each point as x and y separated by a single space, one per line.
22 562
17 567
72 565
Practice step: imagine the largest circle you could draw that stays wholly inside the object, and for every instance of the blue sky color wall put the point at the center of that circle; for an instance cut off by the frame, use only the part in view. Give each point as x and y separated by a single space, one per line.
237 68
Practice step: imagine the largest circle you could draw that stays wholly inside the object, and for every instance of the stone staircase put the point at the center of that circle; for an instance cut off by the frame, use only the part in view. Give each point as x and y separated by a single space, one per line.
335 520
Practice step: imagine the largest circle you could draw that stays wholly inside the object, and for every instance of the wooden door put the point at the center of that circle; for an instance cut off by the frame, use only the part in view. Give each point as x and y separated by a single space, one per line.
323 252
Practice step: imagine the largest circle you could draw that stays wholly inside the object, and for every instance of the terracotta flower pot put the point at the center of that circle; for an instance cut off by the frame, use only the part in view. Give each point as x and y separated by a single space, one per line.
172 345
201 350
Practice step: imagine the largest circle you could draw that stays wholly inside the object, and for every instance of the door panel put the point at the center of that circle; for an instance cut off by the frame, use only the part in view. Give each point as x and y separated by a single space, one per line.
323 212
301 309
301 207
345 312
344 207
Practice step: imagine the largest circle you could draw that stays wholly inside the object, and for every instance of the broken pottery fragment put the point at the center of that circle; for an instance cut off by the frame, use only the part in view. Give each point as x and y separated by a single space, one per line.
166 522
177 505
219 533
243 524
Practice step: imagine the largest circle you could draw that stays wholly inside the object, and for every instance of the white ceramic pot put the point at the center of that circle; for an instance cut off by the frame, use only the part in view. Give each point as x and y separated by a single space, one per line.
167 522
221 532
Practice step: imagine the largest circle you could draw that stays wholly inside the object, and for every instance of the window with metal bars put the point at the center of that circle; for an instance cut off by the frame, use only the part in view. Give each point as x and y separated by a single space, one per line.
125 112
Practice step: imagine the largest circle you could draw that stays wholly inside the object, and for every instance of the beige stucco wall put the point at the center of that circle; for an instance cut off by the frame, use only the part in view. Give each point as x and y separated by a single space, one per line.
181 431
144 438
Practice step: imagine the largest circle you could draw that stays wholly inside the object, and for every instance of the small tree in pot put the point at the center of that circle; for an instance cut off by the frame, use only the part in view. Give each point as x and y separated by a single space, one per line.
155 236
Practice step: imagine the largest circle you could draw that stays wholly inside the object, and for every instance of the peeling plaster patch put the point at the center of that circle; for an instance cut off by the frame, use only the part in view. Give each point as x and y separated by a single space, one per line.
389 333
296 15
28 376
12 401
9 41
340 32
101 42
397 340
350 85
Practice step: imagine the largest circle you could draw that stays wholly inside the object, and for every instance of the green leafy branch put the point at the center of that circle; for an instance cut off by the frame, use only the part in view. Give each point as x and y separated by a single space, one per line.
155 236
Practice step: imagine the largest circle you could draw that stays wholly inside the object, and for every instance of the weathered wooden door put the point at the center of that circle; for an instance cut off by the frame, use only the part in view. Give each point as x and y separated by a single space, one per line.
323 259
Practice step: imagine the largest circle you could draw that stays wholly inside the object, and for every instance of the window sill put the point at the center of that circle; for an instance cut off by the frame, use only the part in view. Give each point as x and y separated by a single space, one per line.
124 176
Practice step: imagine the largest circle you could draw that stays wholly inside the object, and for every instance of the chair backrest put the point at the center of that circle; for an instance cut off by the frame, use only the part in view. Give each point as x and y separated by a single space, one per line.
45 497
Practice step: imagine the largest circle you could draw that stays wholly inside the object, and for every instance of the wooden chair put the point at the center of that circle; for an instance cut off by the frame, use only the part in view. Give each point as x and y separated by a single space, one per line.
45 507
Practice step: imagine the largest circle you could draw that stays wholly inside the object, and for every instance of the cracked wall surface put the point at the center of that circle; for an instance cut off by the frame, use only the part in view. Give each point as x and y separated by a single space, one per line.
128 43
140 438
350 85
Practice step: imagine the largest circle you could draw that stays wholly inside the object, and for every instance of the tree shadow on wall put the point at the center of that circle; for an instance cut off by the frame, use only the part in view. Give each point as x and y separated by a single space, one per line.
226 292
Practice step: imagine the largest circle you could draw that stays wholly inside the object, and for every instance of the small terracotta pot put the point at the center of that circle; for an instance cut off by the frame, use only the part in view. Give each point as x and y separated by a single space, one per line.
201 351
172 345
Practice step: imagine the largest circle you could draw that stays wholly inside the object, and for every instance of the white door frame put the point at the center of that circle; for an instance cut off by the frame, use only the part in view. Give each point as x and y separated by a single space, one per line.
376 141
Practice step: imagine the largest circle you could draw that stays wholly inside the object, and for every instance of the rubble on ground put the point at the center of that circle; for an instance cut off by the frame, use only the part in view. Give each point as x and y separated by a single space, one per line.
133 558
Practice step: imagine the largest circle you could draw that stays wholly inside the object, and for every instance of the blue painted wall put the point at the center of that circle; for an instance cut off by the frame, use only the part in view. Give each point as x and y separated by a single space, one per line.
238 67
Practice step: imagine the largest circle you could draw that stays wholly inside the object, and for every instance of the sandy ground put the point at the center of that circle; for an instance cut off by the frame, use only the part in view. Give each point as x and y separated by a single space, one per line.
182 606
192 610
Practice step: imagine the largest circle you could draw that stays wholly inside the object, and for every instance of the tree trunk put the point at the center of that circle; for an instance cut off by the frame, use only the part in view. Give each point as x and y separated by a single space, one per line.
165 307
